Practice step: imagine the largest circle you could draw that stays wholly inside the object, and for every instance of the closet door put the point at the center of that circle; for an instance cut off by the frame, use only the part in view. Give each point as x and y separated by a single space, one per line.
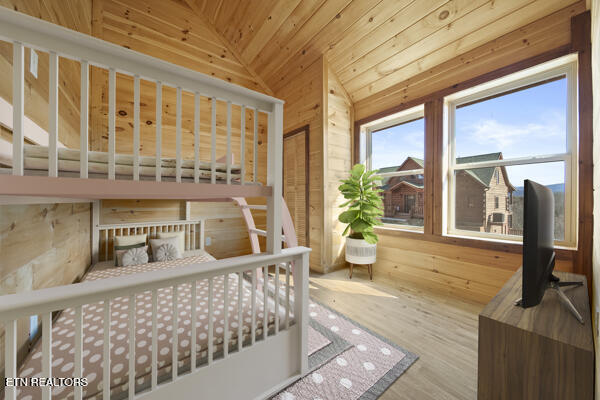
295 180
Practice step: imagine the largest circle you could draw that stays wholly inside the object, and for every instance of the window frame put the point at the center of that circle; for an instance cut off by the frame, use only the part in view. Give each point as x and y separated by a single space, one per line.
566 66
366 132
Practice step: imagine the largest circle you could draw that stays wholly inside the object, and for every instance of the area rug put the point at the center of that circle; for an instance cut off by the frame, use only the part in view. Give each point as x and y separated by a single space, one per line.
364 369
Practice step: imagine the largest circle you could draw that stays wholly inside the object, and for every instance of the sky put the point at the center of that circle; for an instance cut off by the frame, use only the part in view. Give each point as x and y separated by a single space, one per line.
524 123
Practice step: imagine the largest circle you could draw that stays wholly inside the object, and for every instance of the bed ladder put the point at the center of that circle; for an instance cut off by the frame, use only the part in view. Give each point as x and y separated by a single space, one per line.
289 233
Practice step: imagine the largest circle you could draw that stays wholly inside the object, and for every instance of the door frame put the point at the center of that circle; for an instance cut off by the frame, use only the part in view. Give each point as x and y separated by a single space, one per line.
306 130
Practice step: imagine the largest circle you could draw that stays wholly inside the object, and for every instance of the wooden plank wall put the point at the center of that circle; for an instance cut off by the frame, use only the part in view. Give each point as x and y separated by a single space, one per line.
41 246
338 162
72 14
465 268
304 104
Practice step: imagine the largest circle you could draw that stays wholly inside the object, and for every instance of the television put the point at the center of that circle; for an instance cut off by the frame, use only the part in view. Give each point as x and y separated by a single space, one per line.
538 248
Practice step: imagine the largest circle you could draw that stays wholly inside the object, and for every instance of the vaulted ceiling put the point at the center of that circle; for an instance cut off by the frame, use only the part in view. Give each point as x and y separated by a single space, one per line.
370 44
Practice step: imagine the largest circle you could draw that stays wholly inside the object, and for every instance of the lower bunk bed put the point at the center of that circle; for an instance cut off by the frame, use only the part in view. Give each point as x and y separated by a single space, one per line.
239 288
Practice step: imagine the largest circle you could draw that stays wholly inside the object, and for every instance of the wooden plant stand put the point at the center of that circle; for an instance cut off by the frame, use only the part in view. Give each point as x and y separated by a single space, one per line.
369 266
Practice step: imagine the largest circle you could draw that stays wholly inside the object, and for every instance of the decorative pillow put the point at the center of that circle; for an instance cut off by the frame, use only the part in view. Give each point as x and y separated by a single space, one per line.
156 243
166 252
129 240
122 250
180 237
135 256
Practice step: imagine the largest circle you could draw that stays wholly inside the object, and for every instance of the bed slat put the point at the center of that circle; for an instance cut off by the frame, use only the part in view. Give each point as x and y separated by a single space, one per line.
53 115
243 145
158 130
277 298
225 316
154 338
213 140
196 137
84 119
228 154
287 295
10 360
255 150
132 358
175 320
193 337
46 353
253 308
112 98
240 307
136 128
210 320
18 96
106 348
265 301
78 370
178 136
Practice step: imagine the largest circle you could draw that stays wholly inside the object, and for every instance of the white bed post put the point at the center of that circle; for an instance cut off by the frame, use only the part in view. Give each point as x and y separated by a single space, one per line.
10 357
18 107
274 178
53 115
300 274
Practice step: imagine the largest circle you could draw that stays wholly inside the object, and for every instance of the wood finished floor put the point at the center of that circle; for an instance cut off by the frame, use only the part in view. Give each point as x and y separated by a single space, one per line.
440 329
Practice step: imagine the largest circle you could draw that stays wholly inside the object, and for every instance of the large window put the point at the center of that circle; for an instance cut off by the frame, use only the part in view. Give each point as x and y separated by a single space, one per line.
523 126
395 146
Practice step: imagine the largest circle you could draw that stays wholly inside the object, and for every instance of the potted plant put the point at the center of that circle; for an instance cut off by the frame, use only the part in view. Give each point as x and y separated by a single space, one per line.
365 208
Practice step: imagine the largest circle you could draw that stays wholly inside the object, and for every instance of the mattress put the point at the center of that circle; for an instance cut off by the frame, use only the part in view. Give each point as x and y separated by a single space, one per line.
63 332
36 159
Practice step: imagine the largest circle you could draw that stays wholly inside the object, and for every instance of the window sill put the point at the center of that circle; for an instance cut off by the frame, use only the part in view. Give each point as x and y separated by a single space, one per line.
399 228
517 242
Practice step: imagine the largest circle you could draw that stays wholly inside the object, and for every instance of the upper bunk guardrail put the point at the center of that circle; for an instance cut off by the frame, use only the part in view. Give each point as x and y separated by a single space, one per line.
25 31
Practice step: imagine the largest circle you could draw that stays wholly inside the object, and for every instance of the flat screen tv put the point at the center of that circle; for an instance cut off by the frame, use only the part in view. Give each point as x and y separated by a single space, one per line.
538 242
538 249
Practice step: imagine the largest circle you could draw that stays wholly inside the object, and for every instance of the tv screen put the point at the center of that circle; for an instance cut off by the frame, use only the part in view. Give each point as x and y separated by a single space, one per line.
538 242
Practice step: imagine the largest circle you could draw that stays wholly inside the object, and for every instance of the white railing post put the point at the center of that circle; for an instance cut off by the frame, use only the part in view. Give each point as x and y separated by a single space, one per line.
300 274
274 178
213 141
53 115
47 353
178 136
112 110
243 145
84 119
10 357
136 128
196 137
158 131
228 151
78 369
18 107
255 148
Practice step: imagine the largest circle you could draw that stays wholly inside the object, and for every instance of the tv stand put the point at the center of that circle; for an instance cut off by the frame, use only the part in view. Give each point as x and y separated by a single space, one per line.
556 284
540 352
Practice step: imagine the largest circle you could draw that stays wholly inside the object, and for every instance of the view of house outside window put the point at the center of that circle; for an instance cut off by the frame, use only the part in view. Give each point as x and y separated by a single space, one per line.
524 123
396 149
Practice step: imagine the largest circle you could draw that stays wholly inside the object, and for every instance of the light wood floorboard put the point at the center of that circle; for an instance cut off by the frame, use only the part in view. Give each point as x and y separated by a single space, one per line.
440 329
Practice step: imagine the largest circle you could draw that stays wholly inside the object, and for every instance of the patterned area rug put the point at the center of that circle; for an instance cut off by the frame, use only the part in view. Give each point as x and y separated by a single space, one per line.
356 364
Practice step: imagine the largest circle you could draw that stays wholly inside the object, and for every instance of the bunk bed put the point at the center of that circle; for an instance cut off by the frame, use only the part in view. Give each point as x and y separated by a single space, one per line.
153 330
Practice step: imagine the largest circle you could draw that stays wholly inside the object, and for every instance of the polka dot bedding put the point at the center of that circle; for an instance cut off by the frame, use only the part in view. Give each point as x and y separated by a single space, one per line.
63 339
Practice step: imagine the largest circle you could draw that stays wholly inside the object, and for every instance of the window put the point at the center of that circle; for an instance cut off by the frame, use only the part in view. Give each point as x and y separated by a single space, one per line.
523 126
395 146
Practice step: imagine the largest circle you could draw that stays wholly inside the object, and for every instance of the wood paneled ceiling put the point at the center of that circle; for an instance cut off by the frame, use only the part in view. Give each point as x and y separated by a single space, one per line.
370 44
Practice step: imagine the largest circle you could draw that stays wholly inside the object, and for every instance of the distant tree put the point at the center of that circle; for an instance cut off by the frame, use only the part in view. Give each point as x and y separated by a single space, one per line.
559 214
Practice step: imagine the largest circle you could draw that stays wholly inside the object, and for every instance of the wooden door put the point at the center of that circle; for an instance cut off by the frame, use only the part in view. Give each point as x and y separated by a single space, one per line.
295 180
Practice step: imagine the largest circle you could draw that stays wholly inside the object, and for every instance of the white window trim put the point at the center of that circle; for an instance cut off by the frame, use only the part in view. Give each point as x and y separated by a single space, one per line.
563 66
366 132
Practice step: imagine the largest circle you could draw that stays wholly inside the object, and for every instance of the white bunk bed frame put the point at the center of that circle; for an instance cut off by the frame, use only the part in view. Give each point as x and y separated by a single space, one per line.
258 370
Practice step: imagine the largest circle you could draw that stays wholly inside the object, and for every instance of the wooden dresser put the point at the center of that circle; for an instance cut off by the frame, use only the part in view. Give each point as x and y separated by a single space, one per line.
536 353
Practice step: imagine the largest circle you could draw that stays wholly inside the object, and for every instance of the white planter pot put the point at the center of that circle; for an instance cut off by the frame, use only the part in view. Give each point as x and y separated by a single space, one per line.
358 251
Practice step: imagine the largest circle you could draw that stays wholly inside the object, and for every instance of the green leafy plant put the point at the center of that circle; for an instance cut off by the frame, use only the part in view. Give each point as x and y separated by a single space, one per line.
365 206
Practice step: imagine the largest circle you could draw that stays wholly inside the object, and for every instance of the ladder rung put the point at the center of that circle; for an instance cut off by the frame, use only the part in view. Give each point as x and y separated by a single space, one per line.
263 233
254 207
